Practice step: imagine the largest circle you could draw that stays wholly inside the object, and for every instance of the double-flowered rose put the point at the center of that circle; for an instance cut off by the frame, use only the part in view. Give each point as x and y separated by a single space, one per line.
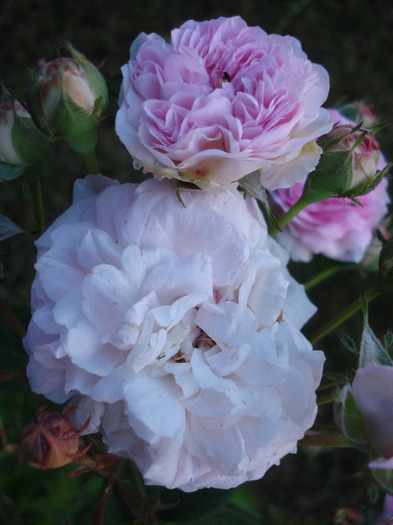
221 100
175 327
338 228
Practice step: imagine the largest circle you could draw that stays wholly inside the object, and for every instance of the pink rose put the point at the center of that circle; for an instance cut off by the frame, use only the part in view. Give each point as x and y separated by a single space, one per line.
220 101
337 227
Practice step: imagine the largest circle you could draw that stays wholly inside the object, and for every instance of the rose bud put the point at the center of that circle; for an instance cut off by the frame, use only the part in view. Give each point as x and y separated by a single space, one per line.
50 441
21 143
70 97
354 112
348 166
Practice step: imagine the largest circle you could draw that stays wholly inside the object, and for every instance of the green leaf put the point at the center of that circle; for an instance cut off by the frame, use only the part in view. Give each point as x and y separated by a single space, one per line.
251 183
388 340
349 343
28 141
352 423
384 478
371 349
10 171
8 228
244 499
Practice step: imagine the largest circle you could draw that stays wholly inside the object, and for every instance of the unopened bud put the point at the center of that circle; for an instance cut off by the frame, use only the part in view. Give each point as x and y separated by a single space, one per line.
349 163
71 97
21 143
50 441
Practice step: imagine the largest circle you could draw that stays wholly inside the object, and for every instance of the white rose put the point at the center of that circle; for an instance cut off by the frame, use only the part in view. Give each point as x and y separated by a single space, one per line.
176 330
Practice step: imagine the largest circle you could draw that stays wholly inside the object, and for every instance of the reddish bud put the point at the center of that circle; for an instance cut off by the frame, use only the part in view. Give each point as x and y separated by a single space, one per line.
50 441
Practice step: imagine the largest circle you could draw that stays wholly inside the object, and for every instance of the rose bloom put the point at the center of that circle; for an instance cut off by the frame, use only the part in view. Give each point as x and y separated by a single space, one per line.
220 101
175 329
337 227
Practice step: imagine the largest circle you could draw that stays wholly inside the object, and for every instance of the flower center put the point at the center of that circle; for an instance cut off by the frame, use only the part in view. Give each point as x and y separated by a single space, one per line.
225 78
203 340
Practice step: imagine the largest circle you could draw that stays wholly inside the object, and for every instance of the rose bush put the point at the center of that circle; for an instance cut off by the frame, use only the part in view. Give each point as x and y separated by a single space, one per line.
336 227
175 329
220 101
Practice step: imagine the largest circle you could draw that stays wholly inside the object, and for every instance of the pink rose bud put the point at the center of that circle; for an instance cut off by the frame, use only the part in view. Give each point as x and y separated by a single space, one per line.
355 112
50 441
21 143
364 155
348 166
338 228
70 99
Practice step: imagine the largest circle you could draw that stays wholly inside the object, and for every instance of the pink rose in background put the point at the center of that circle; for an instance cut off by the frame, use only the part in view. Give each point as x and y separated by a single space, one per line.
220 101
337 227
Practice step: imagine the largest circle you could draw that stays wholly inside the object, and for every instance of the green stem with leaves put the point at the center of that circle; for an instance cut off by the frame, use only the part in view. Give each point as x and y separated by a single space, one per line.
345 314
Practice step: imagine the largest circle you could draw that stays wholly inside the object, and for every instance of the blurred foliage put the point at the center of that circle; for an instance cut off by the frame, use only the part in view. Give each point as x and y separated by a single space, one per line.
353 40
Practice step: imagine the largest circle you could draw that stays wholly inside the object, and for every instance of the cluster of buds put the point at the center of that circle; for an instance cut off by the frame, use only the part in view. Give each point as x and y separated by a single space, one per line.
69 97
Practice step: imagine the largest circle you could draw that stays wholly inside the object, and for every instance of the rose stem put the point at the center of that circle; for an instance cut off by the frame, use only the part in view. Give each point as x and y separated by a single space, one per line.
91 162
324 440
327 272
289 215
105 493
345 314
36 196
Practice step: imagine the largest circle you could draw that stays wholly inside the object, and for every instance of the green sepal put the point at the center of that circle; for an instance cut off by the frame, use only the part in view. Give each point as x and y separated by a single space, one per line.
384 478
251 183
28 141
371 349
351 421
332 176
10 171
95 79
8 228
326 142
